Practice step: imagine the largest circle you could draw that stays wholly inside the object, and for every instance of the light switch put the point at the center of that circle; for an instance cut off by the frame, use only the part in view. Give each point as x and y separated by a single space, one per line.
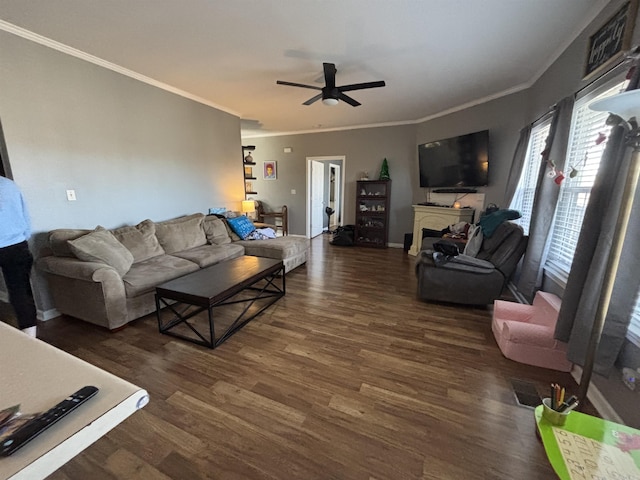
293 191
71 195
288 150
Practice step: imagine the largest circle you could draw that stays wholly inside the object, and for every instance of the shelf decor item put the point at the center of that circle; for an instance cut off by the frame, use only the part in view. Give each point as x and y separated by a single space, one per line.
384 171
247 161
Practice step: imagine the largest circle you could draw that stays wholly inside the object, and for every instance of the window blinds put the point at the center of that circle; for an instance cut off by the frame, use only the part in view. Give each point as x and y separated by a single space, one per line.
525 193
584 155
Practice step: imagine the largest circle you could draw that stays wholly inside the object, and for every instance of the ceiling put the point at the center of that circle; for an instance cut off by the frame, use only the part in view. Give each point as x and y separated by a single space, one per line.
436 56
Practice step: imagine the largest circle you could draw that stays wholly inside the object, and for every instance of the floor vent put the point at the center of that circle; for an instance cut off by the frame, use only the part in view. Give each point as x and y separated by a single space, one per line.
526 393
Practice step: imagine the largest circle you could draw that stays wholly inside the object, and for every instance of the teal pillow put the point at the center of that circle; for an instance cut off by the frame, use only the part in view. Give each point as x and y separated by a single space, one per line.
242 226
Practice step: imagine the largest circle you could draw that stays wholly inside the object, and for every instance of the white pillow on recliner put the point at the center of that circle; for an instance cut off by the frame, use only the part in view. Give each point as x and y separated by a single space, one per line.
474 243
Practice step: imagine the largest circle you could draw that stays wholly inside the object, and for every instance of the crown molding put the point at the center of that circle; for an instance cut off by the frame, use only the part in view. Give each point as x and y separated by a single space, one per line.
61 47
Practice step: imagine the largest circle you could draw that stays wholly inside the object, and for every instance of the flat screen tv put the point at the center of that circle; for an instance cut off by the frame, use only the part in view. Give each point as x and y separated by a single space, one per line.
457 162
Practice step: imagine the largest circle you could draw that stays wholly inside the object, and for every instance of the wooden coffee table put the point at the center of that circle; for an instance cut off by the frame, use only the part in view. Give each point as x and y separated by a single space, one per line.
252 283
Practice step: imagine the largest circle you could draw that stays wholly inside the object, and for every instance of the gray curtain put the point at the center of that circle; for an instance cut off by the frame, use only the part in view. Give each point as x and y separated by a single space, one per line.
581 295
544 205
516 165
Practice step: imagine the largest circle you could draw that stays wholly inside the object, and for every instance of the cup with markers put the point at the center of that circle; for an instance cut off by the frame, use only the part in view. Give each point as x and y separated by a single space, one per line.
556 408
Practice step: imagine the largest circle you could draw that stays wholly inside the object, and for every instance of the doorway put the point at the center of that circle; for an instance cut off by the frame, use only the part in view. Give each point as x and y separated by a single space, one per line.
325 188
5 168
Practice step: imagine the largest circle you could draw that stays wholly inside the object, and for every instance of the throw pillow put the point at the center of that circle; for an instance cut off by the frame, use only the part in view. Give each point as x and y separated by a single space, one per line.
242 226
59 240
140 240
103 247
181 233
215 230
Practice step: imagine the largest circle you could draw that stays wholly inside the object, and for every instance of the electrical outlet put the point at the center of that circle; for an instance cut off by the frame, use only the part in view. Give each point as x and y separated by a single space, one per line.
71 195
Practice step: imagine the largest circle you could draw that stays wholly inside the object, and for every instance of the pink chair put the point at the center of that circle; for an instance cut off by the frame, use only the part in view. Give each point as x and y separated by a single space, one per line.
525 332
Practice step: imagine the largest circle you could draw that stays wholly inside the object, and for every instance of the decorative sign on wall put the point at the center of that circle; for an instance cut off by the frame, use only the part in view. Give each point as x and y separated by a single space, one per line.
608 44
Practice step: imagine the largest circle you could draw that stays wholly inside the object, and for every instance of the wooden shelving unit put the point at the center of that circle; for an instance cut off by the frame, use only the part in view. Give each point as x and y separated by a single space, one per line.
248 164
372 213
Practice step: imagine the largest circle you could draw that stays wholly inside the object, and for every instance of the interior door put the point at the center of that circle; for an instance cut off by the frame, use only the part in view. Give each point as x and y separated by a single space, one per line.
317 197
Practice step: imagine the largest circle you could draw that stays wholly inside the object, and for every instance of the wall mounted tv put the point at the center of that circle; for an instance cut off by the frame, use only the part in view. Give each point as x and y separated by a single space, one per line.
457 163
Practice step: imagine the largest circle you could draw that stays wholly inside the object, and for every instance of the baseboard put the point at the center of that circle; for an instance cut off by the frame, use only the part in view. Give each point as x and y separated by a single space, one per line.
44 315
597 398
395 245
514 291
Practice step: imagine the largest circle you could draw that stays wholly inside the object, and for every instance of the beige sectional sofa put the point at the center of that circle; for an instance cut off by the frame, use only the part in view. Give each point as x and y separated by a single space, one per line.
108 277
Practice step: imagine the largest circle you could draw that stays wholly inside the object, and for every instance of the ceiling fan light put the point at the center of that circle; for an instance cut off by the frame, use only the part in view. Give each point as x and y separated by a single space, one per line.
330 101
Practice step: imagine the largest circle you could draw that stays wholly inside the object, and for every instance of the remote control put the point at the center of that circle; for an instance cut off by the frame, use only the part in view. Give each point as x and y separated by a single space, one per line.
39 424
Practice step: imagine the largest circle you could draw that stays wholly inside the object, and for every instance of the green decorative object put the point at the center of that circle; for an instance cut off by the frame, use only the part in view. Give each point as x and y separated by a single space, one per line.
384 171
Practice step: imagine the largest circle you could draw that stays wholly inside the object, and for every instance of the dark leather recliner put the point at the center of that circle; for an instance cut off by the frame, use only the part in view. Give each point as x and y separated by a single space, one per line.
467 281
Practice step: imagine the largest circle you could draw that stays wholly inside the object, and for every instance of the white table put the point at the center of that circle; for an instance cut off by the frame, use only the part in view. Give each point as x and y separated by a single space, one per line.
38 376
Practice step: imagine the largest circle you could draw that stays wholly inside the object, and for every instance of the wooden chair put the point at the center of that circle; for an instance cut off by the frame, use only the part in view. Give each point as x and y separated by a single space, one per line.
262 216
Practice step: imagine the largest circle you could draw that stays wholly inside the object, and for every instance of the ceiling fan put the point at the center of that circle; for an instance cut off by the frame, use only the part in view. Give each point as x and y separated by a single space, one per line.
330 93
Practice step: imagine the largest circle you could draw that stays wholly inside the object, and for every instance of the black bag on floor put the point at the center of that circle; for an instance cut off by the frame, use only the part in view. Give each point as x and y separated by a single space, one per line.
343 236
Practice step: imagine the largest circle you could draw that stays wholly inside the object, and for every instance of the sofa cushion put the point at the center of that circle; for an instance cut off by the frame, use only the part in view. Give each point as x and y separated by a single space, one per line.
242 226
215 230
206 255
277 248
140 240
144 276
58 240
181 233
234 237
103 247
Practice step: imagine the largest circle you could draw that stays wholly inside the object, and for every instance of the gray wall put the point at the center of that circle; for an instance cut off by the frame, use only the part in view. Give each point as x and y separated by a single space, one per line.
131 151
364 149
503 118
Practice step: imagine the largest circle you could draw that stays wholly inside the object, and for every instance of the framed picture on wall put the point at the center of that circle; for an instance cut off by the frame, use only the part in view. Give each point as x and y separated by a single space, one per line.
269 170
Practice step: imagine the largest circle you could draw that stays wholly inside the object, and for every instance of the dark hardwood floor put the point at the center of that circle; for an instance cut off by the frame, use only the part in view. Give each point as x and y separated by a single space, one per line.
347 377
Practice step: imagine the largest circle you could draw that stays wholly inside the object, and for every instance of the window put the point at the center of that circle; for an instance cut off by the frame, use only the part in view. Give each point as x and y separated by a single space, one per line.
584 155
525 193
633 334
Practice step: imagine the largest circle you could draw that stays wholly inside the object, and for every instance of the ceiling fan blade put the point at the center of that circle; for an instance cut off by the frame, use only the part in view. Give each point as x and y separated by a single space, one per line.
329 75
291 84
360 86
313 99
349 100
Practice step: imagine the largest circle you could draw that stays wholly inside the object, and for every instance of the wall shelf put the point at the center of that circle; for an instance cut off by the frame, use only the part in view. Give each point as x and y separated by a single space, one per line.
248 163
